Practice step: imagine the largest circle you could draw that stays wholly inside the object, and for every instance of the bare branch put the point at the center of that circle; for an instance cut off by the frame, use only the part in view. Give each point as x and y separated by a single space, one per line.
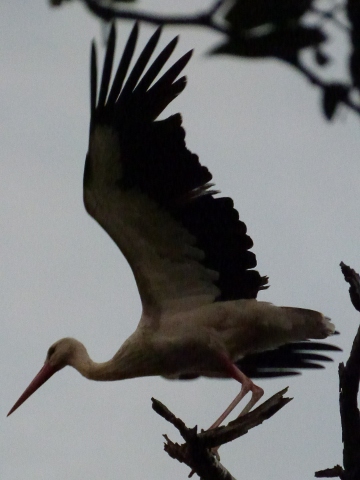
315 80
203 19
353 279
349 376
196 451
335 472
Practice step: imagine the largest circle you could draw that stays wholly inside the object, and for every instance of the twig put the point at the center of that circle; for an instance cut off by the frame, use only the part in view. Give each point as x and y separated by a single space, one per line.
315 80
196 451
353 279
335 472
240 426
330 16
203 19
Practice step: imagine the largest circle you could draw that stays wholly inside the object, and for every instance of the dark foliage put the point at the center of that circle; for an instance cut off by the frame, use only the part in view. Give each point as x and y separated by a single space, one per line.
278 29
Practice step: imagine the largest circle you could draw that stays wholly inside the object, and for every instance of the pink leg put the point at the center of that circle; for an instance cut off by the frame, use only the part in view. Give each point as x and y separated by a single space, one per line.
247 385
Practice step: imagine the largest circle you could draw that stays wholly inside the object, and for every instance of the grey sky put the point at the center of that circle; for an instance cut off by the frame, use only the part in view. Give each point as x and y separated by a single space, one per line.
294 179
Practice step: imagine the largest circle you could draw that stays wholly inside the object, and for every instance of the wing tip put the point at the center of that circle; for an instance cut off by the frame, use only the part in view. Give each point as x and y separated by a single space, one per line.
93 80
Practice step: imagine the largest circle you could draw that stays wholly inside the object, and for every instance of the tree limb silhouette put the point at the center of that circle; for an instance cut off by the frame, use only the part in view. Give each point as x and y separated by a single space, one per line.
196 451
349 377
256 29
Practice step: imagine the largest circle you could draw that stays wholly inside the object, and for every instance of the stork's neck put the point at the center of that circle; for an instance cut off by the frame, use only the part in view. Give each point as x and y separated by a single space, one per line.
132 360
104 371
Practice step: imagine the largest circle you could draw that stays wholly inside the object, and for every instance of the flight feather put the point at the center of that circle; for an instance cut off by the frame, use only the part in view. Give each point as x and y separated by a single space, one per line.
186 246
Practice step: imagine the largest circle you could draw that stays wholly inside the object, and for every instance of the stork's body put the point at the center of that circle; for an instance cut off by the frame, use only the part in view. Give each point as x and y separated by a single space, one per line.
191 345
188 250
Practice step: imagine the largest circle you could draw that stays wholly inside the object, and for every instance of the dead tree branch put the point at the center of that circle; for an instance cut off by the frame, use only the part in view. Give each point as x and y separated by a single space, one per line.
196 451
349 378
203 19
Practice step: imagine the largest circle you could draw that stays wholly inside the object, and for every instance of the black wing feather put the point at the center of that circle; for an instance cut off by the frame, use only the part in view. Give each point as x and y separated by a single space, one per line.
124 65
286 360
108 63
160 94
93 83
140 64
155 67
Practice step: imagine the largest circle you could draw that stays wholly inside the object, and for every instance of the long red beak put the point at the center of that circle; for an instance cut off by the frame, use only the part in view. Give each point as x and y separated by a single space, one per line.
45 373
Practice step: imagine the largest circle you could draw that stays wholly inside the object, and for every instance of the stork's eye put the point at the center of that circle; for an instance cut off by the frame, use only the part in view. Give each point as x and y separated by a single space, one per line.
50 352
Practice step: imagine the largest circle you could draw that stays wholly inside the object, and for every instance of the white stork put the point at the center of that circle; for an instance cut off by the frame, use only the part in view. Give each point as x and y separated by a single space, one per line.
187 248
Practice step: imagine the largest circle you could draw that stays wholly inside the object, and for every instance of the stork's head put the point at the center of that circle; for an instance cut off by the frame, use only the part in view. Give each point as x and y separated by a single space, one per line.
60 354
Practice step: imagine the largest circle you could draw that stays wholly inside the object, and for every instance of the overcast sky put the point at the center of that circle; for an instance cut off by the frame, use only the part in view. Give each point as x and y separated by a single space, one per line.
295 181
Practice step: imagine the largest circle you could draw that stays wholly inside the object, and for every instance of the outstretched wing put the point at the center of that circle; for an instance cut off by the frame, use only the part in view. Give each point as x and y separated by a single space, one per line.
185 246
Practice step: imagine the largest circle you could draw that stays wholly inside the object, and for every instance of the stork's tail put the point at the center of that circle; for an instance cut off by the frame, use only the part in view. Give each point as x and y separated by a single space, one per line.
290 352
308 324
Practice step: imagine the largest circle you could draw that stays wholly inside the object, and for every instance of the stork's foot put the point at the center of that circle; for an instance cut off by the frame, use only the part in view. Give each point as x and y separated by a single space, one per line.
247 386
